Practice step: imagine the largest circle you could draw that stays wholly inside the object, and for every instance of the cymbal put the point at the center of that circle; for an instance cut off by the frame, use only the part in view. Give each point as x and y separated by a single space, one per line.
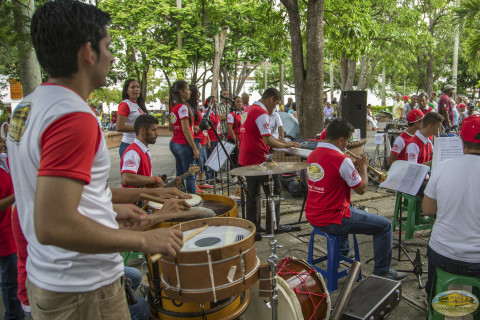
268 167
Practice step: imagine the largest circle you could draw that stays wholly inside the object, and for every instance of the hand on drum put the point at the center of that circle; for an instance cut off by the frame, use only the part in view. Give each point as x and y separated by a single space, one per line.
168 193
168 242
129 215
174 205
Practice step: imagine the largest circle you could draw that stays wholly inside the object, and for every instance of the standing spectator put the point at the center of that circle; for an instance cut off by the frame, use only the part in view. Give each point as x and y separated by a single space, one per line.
294 110
212 138
245 100
131 107
336 107
422 104
328 111
468 113
397 107
371 119
431 101
445 106
456 115
288 106
222 111
234 122
408 106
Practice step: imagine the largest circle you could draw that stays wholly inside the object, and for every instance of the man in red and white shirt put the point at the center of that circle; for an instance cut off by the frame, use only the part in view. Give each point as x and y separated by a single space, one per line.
420 148
136 167
331 176
398 151
255 141
61 163
422 103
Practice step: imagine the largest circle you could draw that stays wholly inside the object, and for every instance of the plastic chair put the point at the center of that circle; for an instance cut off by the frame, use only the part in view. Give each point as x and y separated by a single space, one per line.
414 221
441 283
333 257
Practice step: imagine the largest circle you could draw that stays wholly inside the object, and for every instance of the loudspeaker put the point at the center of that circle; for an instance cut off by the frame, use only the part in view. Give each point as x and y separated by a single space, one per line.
354 110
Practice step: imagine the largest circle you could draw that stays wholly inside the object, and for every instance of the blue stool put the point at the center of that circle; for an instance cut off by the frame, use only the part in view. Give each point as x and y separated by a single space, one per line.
333 257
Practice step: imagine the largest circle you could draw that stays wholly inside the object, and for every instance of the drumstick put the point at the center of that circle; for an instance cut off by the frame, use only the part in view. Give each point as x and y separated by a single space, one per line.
144 196
158 256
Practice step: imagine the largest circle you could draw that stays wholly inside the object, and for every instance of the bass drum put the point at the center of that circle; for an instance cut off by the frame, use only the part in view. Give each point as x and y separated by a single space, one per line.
302 294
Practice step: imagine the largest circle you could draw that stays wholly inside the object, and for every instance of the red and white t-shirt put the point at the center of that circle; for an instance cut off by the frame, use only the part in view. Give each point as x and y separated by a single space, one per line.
54 132
331 175
131 110
426 110
420 149
21 244
136 159
199 134
7 242
235 119
177 114
215 118
255 125
399 145
323 134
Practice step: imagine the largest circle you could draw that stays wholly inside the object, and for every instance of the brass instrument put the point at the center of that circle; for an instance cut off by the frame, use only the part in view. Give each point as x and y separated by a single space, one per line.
379 176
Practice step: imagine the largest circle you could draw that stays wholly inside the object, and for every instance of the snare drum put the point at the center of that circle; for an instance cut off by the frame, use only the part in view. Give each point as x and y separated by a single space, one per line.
216 264
302 294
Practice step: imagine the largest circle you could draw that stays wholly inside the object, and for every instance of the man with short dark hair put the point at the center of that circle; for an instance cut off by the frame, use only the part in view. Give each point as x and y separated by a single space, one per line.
135 164
61 163
288 106
445 106
245 100
467 113
420 148
331 176
256 139
398 151
431 101
452 194
422 103
223 109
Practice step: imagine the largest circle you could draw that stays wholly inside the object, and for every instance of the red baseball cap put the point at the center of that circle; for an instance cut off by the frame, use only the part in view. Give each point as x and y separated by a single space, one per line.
414 115
405 97
461 105
471 129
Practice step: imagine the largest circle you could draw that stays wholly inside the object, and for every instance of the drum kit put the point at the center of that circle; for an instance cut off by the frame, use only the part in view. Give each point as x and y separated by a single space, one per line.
216 275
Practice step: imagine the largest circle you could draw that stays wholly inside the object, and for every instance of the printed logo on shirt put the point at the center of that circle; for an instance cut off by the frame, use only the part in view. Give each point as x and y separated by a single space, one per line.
141 111
19 121
183 112
396 148
173 118
266 125
355 176
129 163
244 117
412 156
315 172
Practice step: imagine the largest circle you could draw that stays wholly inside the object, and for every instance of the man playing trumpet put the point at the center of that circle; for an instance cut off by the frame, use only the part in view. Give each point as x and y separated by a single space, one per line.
331 176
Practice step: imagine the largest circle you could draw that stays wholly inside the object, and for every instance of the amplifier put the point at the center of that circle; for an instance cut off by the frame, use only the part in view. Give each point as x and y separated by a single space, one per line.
373 299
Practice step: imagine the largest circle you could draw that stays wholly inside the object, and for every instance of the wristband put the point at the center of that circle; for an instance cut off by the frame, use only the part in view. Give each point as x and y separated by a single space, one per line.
156 179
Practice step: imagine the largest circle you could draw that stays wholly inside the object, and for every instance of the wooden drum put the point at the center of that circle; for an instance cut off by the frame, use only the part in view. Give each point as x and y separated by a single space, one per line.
216 264
302 294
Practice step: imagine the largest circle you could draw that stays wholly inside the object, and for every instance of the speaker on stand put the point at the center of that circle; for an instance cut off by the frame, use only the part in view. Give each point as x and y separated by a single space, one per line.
354 110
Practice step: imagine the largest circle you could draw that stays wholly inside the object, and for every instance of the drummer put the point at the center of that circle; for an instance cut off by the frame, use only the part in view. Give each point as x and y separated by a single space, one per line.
255 141
331 176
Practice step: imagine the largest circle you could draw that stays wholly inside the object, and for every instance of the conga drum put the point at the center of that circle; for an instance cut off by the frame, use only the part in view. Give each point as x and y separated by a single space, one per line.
216 264
302 294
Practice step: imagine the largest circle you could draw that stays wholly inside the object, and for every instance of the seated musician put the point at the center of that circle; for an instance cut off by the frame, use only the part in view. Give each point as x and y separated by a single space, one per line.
136 168
451 194
420 148
331 176
398 152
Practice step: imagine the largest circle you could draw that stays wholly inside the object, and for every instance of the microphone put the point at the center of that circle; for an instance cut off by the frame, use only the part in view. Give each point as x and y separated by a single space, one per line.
226 98
203 125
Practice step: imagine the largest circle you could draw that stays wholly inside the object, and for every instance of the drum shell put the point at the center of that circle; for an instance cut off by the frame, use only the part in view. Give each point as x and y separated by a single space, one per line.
194 271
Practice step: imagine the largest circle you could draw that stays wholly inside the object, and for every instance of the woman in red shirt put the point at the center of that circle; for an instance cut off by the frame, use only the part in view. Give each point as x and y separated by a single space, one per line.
131 107
212 139
182 144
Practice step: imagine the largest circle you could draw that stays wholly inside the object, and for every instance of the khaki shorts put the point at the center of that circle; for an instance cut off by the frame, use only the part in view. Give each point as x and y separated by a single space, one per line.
108 302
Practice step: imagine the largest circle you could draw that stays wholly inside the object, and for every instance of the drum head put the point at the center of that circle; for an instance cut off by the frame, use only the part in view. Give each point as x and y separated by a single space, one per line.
288 306
194 201
155 205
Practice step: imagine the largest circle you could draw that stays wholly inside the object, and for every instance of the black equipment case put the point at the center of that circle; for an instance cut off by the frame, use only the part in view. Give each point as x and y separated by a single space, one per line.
373 299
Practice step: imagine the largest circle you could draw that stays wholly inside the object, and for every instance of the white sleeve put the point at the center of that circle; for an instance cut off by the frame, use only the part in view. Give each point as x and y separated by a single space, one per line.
131 162
183 112
279 120
263 125
412 152
230 118
349 173
431 189
398 145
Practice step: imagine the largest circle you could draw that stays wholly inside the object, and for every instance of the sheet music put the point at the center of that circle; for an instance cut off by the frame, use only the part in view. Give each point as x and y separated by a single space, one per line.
304 153
218 156
378 139
446 148
406 177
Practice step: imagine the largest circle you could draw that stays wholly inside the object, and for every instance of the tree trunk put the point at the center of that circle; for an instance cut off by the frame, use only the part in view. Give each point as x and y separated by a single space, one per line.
219 46
179 28
281 82
308 83
429 85
331 81
384 84
455 59
27 59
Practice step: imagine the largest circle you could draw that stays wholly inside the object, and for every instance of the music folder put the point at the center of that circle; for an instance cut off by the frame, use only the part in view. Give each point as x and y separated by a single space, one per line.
406 177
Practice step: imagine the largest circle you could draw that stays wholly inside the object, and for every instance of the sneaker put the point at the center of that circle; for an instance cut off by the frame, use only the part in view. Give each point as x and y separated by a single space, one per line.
394 275
199 190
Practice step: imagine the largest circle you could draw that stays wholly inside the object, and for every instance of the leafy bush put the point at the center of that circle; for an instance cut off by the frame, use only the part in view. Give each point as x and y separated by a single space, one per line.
377 109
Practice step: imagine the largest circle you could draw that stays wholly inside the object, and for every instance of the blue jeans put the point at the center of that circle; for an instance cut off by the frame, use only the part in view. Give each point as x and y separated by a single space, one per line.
183 159
362 222
8 270
203 155
123 147
210 174
140 310
436 260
